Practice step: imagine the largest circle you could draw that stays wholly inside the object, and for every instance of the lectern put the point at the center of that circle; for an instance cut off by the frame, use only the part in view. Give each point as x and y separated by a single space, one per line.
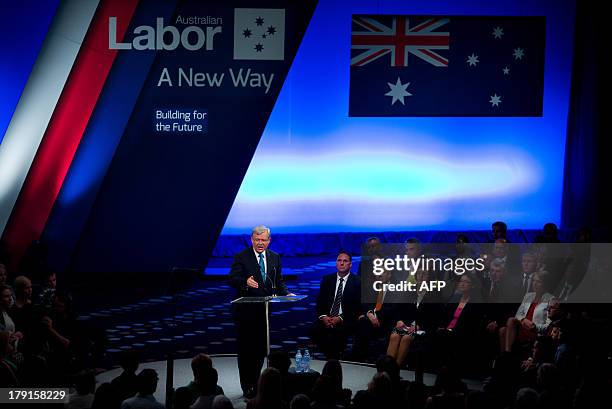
266 301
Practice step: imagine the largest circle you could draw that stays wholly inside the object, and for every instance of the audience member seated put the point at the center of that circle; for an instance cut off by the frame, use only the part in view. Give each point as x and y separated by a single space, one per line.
199 366
541 353
144 399
381 313
448 391
207 381
553 393
526 398
387 364
9 371
578 261
497 286
126 383
499 230
554 259
503 382
380 388
363 400
562 333
333 369
182 398
280 360
63 341
300 401
268 391
22 310
415 318
463 250
531 317
550 234
6 321
529 265
83 396
462 247
323 396
106 397
222 402
338 308
3 274
502 294
509 254
47 291
372 249
462 324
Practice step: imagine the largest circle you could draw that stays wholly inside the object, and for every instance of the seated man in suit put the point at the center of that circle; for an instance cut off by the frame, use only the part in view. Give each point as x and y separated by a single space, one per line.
338 308
371 249
255 272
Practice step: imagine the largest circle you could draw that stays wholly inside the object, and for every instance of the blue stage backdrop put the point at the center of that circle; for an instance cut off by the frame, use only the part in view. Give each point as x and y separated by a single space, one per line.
173 133
318 170
220 115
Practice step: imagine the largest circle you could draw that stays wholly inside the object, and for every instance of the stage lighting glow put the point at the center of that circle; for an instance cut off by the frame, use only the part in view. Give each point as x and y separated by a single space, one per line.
384 176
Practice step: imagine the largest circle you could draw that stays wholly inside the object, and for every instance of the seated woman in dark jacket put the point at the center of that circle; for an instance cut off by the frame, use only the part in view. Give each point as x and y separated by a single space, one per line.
415 317
462 321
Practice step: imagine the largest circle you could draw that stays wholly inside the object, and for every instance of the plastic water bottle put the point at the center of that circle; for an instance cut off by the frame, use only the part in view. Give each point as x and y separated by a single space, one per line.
306 361
298 361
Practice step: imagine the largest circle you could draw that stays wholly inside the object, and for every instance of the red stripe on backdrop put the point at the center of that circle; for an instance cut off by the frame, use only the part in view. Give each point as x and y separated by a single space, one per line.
66 128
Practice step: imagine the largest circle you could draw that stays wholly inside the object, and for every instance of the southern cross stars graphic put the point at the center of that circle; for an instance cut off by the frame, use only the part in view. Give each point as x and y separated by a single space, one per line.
519 53
498 32
398 91
247 33
506 70
495 100
472 60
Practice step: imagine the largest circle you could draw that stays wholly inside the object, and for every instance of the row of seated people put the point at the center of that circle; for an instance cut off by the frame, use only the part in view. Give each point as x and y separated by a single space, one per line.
536 383
44 342
473 308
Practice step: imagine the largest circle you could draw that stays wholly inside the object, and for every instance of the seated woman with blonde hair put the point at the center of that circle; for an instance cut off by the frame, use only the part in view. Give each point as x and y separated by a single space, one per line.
531 318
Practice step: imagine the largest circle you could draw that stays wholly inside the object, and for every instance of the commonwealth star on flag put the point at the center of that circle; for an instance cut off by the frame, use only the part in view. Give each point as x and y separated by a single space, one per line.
259 34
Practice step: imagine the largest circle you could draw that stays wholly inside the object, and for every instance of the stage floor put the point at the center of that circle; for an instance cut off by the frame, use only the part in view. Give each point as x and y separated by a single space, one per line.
356 376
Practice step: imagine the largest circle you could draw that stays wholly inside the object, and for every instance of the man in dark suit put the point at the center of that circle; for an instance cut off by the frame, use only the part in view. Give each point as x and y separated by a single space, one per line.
255 272
338 308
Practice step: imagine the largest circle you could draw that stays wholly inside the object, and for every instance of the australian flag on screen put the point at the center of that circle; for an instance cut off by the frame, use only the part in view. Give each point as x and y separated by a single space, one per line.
446 66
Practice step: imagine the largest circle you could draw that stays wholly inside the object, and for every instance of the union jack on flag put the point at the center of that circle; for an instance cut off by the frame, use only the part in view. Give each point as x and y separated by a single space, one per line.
374 40
414 65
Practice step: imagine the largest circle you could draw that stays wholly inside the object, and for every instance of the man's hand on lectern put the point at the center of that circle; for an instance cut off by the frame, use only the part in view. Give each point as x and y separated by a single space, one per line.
327 321
252 283
336 321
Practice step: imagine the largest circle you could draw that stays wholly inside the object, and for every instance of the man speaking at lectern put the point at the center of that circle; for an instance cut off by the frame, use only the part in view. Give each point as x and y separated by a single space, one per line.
255 272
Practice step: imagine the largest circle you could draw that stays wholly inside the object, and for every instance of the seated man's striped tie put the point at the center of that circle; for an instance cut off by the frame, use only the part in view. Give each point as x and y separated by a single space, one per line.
335 310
